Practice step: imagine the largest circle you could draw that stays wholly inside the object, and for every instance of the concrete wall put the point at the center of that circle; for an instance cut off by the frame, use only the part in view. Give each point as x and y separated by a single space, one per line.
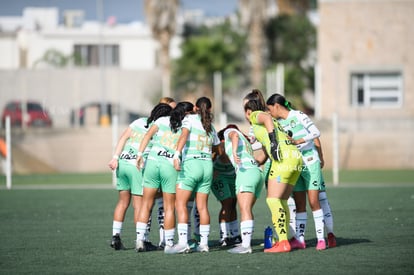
62 90
364 36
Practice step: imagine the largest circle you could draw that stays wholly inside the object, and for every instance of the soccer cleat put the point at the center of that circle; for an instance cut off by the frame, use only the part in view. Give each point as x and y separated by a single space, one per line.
236 240
225 242
116 242
240 250
139 246
176 249
331 240
202 248
296 244
148 246
161 246
321 245
279 247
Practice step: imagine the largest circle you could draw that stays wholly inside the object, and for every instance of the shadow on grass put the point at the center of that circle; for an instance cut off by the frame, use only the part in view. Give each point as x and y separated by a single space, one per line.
339 241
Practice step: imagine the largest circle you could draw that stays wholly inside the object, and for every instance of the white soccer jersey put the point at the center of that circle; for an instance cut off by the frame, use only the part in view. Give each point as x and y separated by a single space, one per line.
199 143
244 151
302 126
129 152
164 141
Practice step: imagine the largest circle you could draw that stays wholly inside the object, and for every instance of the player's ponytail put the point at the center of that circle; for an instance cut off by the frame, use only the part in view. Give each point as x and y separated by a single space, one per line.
160 110
178 113
203 105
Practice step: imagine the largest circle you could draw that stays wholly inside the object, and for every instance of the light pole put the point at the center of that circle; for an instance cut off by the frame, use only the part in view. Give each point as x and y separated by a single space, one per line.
104 118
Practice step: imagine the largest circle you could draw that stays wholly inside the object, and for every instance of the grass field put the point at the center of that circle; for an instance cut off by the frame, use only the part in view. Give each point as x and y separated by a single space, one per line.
67 231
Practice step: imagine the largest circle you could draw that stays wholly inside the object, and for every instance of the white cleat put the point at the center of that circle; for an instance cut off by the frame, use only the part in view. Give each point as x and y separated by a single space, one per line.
176 249
240 250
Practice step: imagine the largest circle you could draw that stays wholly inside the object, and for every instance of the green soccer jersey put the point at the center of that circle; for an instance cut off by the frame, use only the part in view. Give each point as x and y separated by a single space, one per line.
244 151
302 126
199 143
129 152
164 141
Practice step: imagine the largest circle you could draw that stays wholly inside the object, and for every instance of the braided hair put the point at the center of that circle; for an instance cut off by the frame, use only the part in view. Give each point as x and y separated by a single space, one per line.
160 110
178 113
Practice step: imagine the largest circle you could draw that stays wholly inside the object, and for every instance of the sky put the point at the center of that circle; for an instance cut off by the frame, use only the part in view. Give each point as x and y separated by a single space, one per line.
124 10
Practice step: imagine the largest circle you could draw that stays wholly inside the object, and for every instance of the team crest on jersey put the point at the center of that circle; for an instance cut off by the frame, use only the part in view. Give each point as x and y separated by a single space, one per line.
292 124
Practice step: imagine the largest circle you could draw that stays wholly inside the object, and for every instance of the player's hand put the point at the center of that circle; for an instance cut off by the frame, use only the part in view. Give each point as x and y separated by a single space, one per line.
140 162
113 163
177 164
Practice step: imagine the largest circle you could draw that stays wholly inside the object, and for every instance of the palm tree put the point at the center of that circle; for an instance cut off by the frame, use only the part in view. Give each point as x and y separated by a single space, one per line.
161 16
253 16
292 6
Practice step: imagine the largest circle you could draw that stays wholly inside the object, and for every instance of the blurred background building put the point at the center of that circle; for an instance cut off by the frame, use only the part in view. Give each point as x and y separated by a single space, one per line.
358 66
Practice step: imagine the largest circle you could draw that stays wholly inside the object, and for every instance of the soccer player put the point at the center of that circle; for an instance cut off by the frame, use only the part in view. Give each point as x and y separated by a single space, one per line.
195 172
302 131
158 198
224 189
323 200
249 182
160 173
284 171
129 179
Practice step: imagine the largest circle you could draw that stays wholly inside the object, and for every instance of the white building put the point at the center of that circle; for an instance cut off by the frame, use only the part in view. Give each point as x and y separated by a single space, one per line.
24 41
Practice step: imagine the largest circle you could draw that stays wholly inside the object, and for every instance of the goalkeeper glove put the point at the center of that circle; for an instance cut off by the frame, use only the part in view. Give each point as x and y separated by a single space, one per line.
274 146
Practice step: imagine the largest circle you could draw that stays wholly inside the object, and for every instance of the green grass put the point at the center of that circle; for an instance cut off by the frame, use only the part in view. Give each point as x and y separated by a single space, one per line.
345 176
68 232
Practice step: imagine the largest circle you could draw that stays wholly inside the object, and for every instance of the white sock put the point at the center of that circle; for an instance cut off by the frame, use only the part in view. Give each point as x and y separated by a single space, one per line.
224 230
234 228
319 224
148 229
141 227
196 217
182 233
169 236
246 229
327 213
116 228
160 217
190 207
204 233
292 213
301 219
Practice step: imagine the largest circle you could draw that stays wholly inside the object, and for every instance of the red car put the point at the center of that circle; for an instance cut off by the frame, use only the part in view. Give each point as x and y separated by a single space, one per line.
37 116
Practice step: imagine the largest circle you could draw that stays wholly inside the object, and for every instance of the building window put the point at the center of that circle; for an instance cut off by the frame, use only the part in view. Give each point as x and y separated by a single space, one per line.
90 55
379 89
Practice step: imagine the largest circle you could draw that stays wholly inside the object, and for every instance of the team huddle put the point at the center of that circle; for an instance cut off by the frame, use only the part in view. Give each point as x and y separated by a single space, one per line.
174 158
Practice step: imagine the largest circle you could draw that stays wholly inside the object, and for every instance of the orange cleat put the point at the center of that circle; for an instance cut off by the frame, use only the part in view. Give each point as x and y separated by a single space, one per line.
279 247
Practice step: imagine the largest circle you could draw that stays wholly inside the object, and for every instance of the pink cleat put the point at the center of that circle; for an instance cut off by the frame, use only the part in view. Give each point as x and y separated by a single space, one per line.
321 245
296 244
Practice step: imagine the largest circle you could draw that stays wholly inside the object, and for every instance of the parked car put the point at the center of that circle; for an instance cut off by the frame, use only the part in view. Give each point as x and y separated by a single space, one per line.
37 116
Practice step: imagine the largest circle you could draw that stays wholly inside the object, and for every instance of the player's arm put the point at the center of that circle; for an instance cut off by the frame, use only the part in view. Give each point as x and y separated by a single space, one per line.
313 131
234 137
318 146
113 163
185 132
144 143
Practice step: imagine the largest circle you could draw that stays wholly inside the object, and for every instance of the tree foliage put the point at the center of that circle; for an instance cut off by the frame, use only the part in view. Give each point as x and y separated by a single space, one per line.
206 51
292 41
